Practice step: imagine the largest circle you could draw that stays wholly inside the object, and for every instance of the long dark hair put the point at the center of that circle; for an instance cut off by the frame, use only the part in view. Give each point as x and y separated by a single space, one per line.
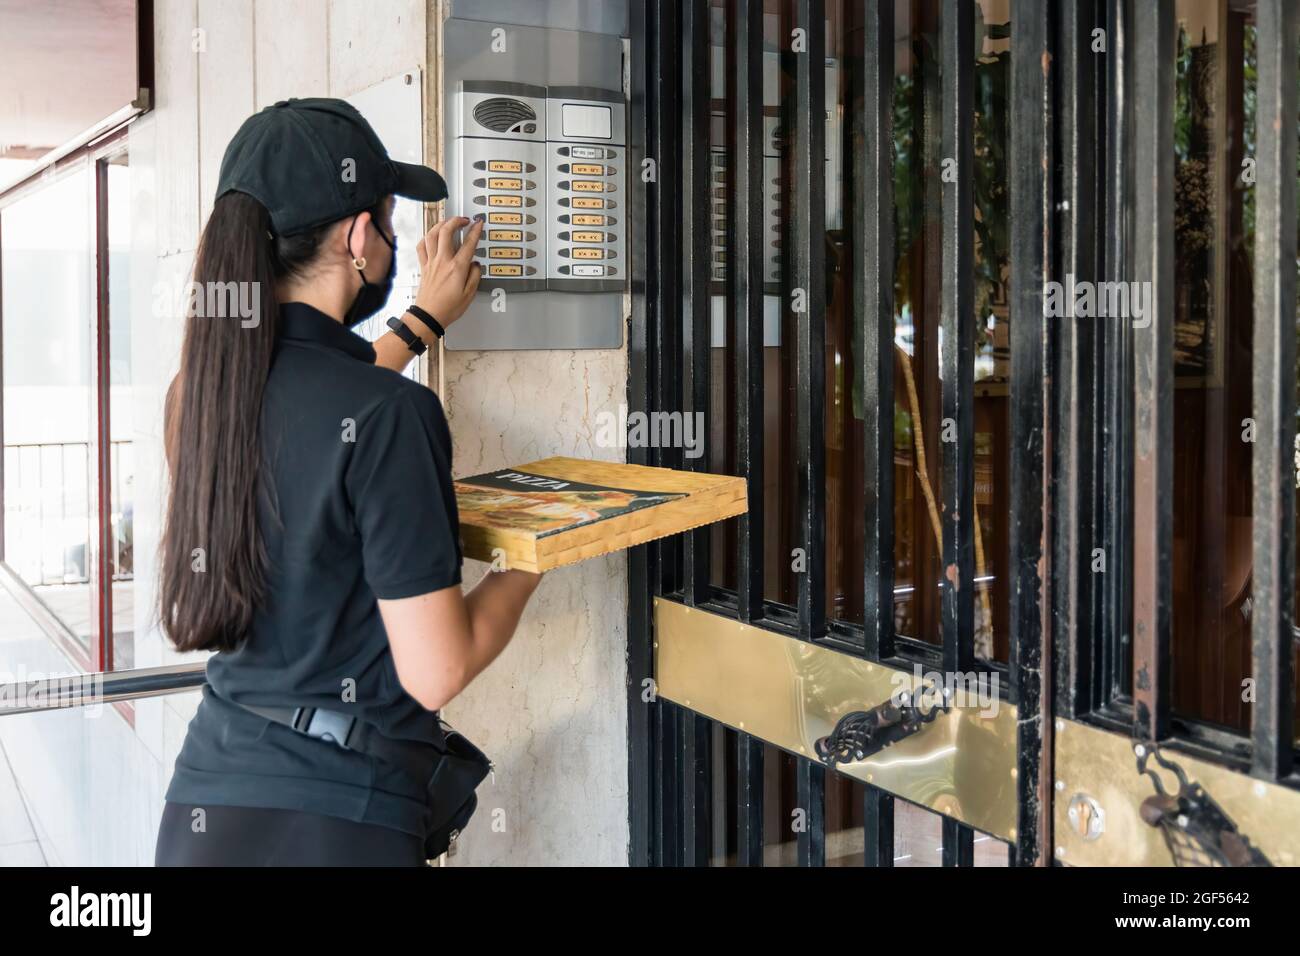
213 562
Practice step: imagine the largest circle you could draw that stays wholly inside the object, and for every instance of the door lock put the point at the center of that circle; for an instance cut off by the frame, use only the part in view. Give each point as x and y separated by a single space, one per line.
860 734
1196 829
1087 817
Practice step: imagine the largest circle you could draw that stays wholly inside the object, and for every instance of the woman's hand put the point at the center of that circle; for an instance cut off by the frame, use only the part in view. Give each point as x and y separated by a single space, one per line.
448 277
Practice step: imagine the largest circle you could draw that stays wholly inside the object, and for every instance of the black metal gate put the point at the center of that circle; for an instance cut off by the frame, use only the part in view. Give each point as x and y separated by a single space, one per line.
931 483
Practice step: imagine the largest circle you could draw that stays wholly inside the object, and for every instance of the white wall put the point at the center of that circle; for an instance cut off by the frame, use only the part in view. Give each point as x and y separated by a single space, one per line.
551 711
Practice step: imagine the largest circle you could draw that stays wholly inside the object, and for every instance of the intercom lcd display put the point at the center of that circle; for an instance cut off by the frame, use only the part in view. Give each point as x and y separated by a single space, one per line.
586 122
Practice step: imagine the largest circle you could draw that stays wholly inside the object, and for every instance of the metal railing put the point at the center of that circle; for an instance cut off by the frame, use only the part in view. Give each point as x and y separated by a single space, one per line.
36 472
83 690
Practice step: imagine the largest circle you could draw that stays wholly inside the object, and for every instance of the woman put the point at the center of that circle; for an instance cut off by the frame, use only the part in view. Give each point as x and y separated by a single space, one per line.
311 536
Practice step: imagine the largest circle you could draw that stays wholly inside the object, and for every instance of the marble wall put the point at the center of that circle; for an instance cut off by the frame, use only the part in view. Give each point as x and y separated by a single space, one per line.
551 710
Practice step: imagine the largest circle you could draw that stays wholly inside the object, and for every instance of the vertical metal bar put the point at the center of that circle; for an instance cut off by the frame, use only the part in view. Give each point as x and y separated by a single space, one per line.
696 271
1075 403
697 789
696 275
40 509
807 249
745 278
871 132
877 827
98 555
749 800
665 192
1274 406
958 843
1153 261
1113 432
810 797
690 796
642 729
1031 357
957 321
668 759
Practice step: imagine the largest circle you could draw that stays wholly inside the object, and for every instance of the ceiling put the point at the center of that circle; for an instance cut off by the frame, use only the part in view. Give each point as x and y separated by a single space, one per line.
64 66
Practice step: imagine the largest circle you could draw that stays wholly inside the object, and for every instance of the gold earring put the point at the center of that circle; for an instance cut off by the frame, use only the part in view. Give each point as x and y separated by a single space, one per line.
360 263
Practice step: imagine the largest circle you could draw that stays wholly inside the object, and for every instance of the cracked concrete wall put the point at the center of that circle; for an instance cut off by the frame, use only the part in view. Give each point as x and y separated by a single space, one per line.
551 711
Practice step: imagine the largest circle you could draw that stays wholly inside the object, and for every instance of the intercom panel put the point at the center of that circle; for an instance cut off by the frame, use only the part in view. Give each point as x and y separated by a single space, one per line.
537 150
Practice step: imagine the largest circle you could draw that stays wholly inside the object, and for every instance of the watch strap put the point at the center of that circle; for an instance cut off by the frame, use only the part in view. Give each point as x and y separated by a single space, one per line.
434 325
404 332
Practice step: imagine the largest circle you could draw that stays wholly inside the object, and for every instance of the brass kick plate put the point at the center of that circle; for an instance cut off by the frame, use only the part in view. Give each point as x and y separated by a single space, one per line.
790 693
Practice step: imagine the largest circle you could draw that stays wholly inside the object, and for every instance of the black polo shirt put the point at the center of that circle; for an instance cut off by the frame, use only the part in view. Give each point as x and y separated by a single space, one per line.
360 506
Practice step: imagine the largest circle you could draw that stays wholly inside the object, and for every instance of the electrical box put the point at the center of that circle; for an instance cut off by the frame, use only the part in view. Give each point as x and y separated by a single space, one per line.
540 156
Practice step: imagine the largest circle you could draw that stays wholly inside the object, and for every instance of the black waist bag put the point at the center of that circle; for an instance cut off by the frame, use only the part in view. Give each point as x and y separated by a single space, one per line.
456 775
452 765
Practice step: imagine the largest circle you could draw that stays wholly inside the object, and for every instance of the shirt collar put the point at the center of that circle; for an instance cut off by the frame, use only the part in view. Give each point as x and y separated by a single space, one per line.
304 323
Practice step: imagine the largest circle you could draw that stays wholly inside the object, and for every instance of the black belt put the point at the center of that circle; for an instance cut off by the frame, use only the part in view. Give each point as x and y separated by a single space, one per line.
352 733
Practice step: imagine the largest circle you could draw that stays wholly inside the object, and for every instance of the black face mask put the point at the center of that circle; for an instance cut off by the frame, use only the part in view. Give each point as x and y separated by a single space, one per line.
372 295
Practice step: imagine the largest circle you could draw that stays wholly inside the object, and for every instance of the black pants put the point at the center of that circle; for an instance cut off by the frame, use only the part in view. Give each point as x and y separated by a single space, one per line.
254 836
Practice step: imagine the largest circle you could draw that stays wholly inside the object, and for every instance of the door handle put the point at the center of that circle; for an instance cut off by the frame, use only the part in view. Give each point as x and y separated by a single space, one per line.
860 734
1196 829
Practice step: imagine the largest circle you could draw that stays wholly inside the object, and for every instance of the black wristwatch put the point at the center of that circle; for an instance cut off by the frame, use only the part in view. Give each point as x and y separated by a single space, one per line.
413 341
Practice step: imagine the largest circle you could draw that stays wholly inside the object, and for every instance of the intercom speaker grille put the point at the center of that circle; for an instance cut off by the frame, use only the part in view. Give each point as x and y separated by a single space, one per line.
503 115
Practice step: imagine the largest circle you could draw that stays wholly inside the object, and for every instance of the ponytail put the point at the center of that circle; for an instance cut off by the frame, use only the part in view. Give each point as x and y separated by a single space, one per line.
213 561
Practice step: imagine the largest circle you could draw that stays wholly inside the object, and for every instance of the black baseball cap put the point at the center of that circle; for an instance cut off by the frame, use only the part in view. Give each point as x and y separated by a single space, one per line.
315 161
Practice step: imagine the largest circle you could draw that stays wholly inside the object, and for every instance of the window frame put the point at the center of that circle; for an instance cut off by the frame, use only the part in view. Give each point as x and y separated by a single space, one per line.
97 655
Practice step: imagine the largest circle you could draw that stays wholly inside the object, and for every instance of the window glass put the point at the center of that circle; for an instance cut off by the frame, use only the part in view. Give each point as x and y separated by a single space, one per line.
47 243
1214 224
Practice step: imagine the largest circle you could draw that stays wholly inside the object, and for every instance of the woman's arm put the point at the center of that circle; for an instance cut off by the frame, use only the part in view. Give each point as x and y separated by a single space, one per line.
448 281
392 352
443 640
